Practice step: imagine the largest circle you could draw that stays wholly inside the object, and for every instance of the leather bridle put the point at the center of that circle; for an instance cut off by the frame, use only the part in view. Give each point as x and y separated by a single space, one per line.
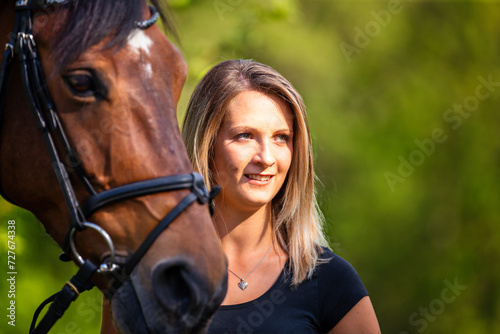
22 45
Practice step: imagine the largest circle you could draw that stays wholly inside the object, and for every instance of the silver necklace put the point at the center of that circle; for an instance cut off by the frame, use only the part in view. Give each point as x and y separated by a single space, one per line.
242 283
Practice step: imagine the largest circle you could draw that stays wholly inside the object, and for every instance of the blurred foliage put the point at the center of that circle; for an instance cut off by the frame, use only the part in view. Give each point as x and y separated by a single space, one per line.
416 213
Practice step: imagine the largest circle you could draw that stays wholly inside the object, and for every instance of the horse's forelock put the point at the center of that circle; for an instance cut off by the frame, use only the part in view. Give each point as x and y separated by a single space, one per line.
89 22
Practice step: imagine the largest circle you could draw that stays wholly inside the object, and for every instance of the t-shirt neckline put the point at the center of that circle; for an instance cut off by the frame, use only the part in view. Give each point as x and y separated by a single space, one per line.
282 278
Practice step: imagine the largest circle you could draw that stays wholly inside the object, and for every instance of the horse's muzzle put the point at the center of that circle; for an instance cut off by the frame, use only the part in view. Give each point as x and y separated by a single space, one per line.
180 301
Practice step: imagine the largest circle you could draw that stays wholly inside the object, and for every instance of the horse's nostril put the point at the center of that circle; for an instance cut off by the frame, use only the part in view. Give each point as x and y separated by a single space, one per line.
178 287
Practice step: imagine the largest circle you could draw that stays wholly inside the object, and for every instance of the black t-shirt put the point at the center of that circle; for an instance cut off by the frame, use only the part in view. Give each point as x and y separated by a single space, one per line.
315 306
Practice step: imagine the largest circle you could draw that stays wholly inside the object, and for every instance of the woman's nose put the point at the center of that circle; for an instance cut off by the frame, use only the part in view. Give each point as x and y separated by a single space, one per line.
265 155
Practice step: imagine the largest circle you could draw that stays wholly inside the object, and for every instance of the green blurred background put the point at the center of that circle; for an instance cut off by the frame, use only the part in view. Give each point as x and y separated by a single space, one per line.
403 100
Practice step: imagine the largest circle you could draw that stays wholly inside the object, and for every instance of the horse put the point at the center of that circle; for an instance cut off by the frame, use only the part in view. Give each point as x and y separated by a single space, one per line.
88 97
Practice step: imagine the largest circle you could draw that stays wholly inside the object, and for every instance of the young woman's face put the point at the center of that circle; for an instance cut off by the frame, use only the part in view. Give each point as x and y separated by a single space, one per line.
253 150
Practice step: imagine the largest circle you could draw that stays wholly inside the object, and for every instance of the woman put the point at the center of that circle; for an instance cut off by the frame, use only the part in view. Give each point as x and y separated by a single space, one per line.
246 131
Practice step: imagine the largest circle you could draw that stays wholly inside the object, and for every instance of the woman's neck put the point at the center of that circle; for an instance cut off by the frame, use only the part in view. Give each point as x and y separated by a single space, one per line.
243 232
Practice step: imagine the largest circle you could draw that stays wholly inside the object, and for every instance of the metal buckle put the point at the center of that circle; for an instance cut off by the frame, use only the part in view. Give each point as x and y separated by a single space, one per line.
72 287
109 265
11 47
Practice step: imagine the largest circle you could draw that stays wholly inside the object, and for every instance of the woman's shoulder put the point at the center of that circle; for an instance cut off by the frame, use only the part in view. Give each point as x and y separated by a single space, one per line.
339 287
337 275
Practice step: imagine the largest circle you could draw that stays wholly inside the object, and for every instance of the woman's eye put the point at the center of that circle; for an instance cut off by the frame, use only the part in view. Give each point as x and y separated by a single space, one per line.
282 138
81 84
244 136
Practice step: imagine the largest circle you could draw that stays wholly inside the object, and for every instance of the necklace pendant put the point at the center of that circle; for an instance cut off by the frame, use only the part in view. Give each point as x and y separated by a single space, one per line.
243 285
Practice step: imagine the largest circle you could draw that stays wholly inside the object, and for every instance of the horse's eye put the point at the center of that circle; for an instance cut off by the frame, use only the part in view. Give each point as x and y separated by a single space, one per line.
81 84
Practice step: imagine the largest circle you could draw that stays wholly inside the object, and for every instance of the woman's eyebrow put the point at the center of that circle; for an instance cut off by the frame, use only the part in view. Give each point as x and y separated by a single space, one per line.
242 128
285 130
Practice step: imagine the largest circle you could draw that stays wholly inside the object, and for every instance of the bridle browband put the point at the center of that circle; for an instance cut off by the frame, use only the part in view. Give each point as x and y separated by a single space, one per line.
22 45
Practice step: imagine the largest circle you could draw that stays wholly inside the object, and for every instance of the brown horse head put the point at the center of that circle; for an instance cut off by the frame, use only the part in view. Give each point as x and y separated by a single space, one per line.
115 87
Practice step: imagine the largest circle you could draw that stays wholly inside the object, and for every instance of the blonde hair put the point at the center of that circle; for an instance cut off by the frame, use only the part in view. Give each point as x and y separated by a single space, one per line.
297 220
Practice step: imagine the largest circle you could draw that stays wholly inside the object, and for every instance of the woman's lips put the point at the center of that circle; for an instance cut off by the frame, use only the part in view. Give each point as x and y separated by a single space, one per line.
259 177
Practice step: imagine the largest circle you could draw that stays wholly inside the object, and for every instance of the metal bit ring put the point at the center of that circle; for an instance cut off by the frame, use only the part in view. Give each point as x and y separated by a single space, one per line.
104 267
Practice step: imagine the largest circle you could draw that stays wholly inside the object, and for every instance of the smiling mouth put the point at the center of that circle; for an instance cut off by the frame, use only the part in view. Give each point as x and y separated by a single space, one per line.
259 177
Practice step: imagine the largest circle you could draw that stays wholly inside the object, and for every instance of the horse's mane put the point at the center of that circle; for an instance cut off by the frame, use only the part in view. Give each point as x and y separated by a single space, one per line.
89 22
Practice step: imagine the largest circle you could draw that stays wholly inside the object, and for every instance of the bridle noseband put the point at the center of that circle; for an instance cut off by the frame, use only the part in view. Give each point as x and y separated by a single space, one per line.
22 45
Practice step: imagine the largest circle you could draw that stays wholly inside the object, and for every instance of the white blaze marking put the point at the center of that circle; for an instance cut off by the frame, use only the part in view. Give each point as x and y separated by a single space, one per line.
149 70
139 41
